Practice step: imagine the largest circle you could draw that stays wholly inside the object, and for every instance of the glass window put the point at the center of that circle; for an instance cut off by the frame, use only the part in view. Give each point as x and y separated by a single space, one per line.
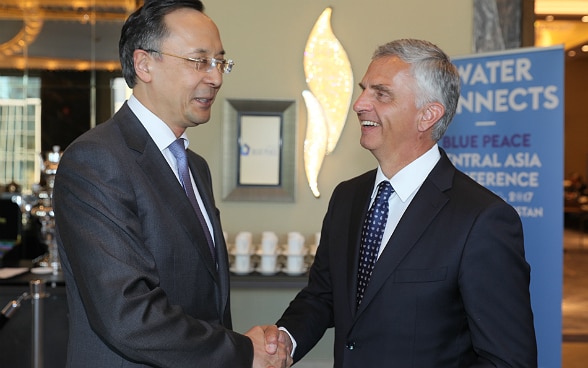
20 126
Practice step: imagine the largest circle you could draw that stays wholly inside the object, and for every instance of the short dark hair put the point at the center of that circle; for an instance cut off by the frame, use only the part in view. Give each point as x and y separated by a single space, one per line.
144 29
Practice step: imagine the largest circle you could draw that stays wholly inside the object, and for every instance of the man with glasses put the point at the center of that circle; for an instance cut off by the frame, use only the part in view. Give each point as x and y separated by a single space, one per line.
140 239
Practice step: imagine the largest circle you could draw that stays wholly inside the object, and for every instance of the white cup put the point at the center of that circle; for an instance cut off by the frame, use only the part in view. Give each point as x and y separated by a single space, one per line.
268 263
295 243
269 242
243 243
242 263
295 264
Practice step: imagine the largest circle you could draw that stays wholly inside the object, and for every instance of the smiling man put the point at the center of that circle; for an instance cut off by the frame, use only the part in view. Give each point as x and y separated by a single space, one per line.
418 265
140 239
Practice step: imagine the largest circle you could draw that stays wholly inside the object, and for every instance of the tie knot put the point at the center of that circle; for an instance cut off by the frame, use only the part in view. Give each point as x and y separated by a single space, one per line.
385 190
178 149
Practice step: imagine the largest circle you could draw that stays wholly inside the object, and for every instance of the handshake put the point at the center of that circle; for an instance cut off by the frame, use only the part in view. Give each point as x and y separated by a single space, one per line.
272 348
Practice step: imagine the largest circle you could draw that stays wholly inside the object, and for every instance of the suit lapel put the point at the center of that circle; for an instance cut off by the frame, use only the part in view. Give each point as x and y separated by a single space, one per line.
219 240
163 180
423 209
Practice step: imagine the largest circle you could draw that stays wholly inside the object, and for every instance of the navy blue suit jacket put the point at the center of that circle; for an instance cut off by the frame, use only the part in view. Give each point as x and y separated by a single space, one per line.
451 288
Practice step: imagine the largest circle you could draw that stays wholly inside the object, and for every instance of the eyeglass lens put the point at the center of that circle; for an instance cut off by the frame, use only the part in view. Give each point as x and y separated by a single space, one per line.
203 64
206 65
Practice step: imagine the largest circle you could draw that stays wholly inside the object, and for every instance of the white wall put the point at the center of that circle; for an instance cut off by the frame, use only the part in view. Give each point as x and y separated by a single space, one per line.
266 38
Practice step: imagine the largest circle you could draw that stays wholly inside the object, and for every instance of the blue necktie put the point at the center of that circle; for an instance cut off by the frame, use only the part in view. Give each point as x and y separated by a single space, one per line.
371 237
178 149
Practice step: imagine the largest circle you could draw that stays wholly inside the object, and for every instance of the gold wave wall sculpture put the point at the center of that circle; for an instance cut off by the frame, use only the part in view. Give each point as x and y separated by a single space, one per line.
315 143
330 85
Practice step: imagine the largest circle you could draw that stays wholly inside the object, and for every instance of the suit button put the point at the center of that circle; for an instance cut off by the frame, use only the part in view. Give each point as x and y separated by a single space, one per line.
350 345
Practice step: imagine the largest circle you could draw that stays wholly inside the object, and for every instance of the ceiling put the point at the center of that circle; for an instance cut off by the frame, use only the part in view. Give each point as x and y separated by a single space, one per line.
41 28
62 34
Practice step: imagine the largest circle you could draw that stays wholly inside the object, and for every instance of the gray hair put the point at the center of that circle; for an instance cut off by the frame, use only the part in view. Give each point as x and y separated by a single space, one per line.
437 79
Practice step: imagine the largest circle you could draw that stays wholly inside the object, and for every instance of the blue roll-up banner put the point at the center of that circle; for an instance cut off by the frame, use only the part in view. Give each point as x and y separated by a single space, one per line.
508 136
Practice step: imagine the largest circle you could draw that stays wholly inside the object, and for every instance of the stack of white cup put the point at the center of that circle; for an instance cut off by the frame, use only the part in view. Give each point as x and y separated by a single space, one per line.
268 254
295 253
242 253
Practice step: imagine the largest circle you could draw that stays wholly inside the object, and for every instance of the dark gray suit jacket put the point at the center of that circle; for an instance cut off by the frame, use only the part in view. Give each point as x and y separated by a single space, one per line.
451 288
142 286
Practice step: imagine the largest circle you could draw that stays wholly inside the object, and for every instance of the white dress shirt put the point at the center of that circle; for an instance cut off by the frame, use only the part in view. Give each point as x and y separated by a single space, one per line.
163 136
406 183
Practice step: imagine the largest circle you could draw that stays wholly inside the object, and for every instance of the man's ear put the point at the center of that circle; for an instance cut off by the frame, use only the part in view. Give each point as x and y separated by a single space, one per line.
431 113
142 61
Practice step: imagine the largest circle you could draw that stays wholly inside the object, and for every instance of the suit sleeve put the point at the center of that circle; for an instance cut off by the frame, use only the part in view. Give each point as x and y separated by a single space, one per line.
310 314
494 282
116 276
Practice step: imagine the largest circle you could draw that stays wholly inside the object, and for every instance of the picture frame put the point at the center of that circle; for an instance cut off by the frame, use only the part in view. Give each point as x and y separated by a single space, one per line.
259 150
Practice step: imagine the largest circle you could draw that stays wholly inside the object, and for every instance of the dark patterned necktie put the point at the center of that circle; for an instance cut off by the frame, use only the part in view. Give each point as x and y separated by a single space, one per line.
178 149
371 237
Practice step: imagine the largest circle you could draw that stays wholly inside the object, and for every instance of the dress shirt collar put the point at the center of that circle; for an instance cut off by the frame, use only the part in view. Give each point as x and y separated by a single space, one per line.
411 177
161 134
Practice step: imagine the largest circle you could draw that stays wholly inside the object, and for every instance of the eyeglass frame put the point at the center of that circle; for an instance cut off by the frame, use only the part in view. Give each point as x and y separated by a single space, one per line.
225 66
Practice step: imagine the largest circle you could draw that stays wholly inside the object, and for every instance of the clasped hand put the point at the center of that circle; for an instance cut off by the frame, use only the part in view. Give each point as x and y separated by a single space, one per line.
272 348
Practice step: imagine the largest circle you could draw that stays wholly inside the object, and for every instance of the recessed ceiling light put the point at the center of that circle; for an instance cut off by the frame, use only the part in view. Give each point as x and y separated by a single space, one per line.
571 53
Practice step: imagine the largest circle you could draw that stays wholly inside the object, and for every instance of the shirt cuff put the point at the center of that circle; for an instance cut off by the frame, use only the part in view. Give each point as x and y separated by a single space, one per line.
291 339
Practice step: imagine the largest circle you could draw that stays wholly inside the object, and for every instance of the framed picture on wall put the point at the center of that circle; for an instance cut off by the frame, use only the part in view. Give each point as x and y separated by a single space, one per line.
259 150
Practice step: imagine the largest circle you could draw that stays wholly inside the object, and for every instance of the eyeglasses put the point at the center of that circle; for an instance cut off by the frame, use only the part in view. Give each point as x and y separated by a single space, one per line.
203 64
